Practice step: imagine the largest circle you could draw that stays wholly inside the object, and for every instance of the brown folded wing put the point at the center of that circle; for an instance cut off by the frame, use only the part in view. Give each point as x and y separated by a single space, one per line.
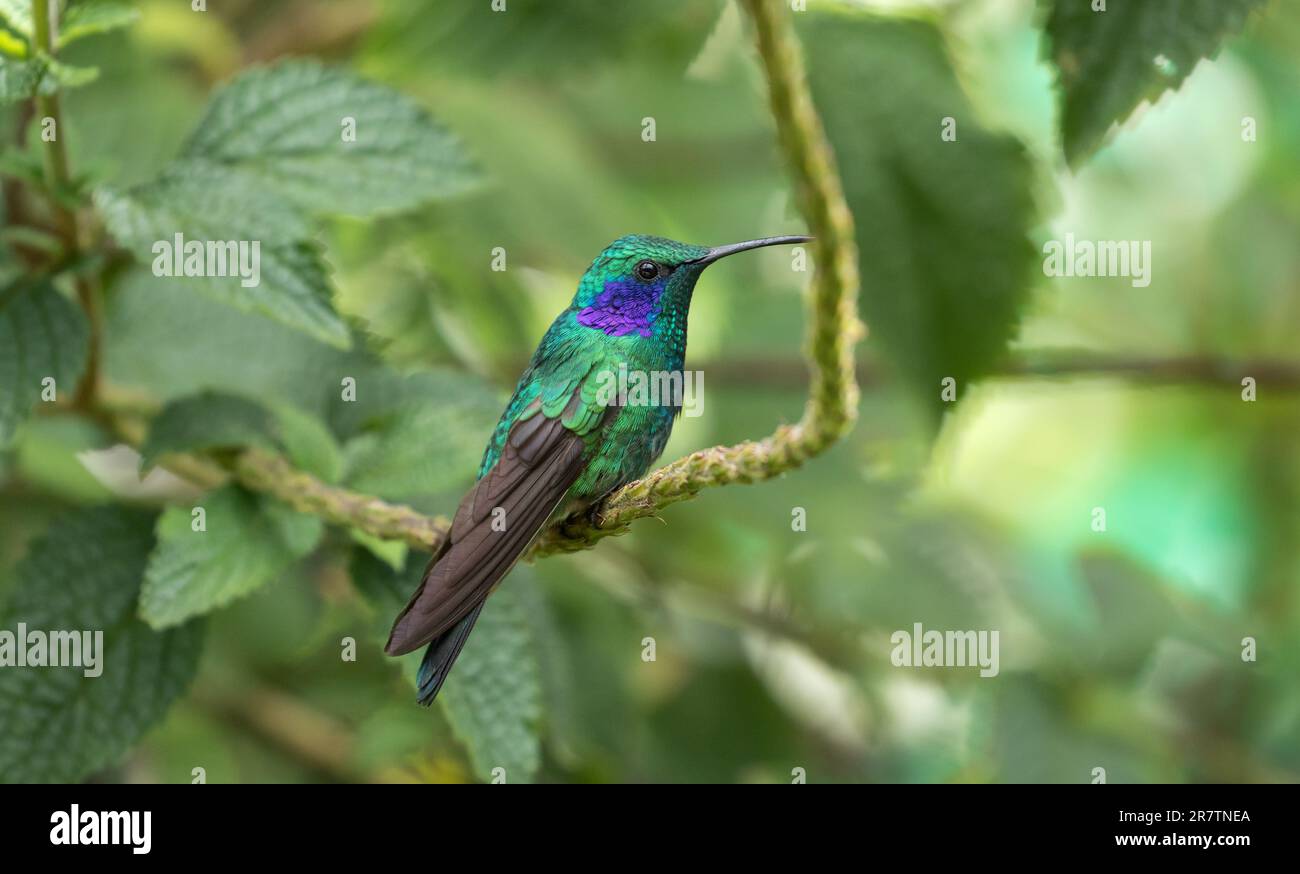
539 462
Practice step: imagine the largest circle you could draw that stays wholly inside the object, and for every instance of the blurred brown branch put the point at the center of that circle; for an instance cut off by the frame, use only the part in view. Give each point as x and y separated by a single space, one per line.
315 739
1273 373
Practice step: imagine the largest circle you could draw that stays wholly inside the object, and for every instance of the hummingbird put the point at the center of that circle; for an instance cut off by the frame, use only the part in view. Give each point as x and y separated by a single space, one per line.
565 441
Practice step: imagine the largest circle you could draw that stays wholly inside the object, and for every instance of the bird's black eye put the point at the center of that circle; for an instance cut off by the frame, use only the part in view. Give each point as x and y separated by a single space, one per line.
647 270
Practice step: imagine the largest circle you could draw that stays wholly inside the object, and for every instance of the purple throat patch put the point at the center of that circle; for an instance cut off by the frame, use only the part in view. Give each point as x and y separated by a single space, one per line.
623 307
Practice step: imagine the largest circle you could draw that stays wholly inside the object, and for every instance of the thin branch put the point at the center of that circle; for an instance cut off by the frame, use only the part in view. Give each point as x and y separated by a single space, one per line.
274 475
314 738
47 106
266 472
1180 369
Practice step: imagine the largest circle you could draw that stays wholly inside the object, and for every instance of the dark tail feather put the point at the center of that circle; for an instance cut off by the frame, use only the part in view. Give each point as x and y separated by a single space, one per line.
441 655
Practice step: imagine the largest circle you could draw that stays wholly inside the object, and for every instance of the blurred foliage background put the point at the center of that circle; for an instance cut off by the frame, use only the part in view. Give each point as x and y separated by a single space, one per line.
1120 649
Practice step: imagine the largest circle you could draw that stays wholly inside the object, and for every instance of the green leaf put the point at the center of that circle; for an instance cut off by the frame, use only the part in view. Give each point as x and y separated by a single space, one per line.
274 143
213 420
391 552
493 698
383 395
941 227
247 541
60 76
207 202
541 38
285 125
202 200
24 73
90 17
421 450
19 79
386 586
56 724
27 165
144 317
17 16
1110 62
42 335
209 421
308 442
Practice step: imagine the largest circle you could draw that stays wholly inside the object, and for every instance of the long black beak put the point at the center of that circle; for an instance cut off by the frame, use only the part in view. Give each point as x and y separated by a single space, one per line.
723 251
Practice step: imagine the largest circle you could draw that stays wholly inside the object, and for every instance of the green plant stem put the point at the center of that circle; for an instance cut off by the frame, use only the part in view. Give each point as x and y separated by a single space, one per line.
57 181
47 105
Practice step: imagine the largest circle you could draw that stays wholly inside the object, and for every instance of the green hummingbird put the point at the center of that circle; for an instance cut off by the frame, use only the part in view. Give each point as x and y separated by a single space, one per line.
565 439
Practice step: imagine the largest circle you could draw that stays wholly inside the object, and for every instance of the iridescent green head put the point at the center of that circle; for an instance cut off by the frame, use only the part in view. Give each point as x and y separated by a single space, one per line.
642 285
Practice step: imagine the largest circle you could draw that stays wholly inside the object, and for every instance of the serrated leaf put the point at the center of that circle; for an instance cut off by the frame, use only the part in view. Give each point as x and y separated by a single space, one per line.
275 142
56 724
1108 62
286 126
202 200
294 288
42 335
90 17
493 698
247 542
941 227
144 317
206 202
209 421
